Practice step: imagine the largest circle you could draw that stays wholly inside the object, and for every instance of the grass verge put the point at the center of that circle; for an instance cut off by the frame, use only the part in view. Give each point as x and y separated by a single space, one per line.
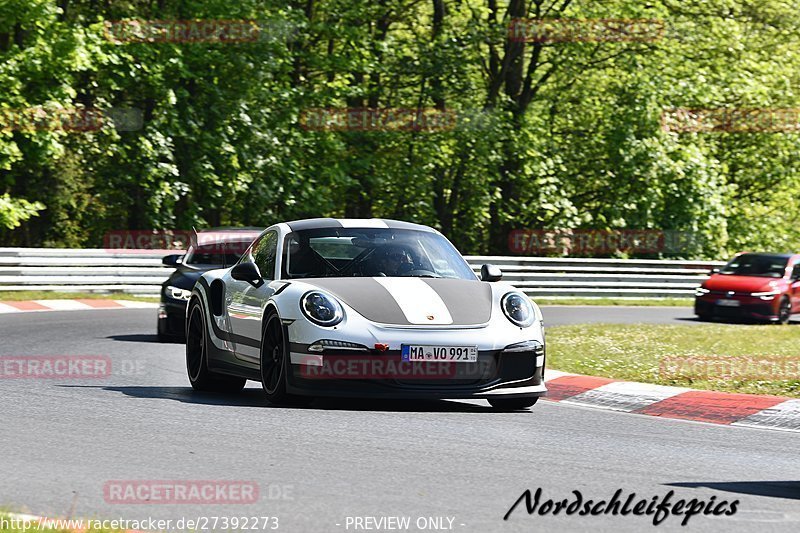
639 302
17 296
724 357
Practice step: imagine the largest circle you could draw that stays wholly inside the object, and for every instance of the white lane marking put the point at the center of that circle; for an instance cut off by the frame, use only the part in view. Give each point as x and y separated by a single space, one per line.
136 305
628 396
550 375
64 305
362 223
625 395
8 309
71 305
418 301
784 416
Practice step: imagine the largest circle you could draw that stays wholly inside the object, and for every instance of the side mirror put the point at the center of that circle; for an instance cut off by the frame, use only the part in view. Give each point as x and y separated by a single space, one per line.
172 260
715 270
247 271
491 273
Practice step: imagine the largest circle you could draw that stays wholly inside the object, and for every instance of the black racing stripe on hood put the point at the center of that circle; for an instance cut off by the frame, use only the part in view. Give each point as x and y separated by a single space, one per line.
469 302
366 296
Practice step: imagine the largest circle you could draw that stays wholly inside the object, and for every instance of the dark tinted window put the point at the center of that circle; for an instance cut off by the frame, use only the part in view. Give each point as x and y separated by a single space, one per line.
264 251
212 254
766 265
796 270
366 252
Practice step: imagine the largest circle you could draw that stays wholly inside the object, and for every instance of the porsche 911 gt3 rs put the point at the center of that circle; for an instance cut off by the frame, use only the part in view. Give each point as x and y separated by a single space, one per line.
363 309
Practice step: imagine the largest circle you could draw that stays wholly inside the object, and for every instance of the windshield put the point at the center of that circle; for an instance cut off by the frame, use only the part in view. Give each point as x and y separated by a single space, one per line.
764 265
356 252
212 254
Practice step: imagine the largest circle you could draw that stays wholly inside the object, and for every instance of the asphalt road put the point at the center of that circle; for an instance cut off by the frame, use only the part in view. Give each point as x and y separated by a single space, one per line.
62 441
557 315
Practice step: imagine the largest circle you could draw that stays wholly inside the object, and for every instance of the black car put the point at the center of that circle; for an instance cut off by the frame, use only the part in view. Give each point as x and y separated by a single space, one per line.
210 249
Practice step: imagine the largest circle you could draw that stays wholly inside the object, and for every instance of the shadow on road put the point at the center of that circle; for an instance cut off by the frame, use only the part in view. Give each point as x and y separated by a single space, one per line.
773 489
134 337
731 321
405 406
246 398
145 337
726 322
252 397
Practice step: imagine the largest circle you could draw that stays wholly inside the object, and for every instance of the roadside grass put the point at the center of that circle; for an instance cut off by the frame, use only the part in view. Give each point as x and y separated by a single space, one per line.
750 359
16 296
638 302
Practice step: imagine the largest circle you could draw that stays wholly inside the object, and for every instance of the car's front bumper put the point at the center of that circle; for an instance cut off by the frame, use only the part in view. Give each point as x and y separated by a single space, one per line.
748 307
374 374
172 317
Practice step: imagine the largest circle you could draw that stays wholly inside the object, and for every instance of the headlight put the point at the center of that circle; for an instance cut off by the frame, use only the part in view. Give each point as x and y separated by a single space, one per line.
769 295
321 308
518 309
700 291
525 346
177 293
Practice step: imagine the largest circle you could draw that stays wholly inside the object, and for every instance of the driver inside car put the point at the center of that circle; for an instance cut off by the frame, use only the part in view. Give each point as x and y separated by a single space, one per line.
303 261
395 261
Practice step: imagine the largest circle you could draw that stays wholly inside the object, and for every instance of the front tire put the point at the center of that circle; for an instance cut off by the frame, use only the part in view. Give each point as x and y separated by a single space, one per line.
197 343
161 331
274 364
162 337
784 310
512 404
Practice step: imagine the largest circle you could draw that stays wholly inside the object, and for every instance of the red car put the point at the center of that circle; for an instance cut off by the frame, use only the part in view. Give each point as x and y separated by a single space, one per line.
757 286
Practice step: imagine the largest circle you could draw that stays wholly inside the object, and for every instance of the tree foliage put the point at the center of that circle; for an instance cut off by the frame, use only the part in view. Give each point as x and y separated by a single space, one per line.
550 134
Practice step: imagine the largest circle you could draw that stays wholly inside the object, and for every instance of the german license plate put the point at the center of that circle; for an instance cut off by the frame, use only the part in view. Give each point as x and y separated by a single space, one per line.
421 352
729 303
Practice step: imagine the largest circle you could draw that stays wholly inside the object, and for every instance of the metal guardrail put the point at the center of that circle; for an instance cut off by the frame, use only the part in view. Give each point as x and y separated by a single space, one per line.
94 270
597 278
141 272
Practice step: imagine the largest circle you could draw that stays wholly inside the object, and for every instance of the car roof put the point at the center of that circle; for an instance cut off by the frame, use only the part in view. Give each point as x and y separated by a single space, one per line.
376 223
233 228
783 255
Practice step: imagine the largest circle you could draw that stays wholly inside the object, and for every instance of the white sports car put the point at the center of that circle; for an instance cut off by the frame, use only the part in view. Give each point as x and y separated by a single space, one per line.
363 309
